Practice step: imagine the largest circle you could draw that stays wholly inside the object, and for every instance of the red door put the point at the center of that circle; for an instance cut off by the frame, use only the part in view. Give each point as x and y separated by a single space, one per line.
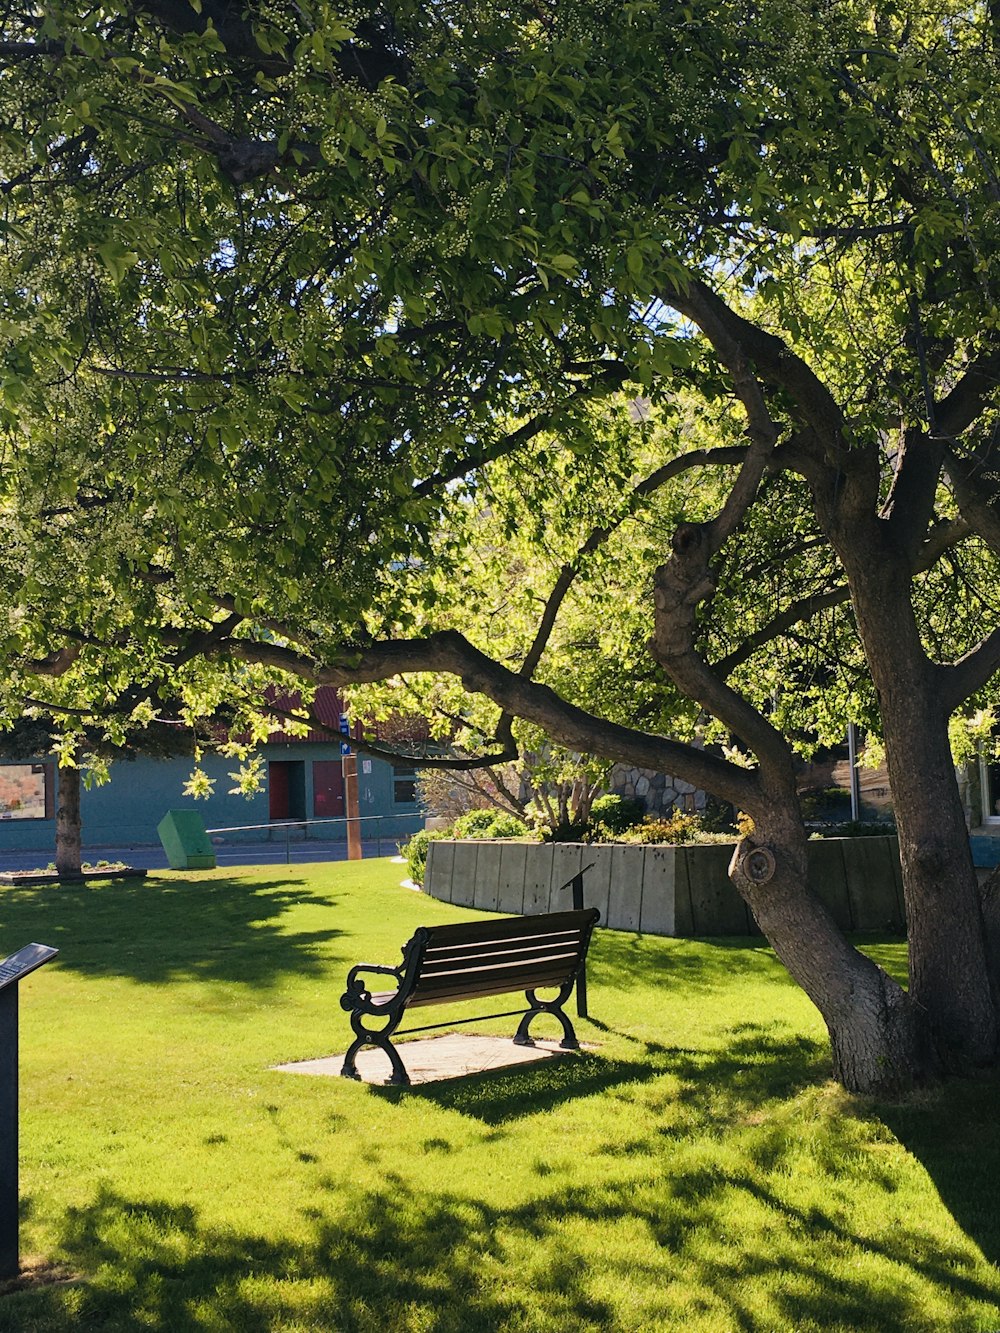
328 789
277 789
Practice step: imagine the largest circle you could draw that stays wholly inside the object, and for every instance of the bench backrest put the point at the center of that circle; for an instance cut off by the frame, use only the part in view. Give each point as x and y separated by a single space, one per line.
467 960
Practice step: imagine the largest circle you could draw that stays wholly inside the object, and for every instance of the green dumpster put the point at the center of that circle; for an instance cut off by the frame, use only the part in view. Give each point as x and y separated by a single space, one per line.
185 841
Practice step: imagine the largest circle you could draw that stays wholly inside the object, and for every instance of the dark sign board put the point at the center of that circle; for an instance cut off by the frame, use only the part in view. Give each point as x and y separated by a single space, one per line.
19 964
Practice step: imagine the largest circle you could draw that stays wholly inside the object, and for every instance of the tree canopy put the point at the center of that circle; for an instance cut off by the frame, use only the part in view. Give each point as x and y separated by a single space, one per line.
316 324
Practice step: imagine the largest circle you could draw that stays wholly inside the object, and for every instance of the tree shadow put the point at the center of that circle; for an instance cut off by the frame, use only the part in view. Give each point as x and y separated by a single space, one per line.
596 1250
756 1064
615 959
160 930
953 1131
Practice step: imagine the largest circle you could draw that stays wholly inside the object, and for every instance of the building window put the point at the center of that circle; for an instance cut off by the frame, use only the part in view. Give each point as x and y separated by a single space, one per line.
404 785
24 791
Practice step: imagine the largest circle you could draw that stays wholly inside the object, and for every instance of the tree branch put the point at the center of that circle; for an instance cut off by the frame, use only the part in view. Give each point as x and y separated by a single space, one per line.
696 458
973 392
959 680
737 340
797 611
450 653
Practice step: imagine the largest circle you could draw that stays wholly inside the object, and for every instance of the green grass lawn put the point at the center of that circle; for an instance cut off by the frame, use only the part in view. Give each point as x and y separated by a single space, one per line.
697 1171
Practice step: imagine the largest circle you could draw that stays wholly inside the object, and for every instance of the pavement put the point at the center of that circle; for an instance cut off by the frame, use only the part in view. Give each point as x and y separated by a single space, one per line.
153 857
435 1059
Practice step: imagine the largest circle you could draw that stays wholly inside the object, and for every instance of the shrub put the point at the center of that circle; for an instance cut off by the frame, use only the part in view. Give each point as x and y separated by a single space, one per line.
415 851
858 828
488 824
616 813
654 828
508 826
474 824
678 828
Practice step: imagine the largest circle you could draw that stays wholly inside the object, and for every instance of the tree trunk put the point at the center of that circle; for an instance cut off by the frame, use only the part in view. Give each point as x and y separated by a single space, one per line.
990 898
68 827
949 966
875 1040
949 973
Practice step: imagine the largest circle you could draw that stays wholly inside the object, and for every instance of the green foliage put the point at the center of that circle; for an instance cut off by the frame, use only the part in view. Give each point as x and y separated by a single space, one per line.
858 828
474 824
415 852
678 828
616 813
504 826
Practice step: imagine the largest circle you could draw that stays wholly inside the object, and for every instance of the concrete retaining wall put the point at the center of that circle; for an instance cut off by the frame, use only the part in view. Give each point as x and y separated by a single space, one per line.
660 890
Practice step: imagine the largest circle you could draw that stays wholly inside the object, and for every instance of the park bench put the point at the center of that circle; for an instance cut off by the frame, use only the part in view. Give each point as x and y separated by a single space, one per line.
471 961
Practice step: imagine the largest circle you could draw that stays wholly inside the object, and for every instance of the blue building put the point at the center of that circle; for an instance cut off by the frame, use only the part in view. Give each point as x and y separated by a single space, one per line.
304 786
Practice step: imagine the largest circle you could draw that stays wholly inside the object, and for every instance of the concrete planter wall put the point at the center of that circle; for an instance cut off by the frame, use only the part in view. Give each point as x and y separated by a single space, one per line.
660 890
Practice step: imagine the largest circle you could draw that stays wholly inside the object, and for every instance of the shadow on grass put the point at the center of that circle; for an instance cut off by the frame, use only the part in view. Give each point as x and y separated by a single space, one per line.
616 958
697 965
954 1133
755 1065
707 1217
156 931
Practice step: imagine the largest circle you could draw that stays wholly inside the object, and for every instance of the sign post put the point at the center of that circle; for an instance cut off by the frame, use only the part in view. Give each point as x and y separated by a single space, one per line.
12 971
349 760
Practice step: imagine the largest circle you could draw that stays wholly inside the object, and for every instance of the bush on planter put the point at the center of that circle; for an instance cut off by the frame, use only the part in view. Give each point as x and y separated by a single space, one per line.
473 824
674 830
488 824
415 851
614 814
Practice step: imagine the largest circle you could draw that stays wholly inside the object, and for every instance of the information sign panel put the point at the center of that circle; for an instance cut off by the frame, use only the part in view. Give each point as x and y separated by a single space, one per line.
18 965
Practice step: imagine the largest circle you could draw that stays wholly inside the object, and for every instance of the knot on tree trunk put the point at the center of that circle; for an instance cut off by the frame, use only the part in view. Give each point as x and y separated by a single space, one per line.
752 865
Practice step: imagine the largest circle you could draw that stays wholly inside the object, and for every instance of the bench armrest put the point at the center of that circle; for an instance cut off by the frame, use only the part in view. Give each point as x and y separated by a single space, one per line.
357 992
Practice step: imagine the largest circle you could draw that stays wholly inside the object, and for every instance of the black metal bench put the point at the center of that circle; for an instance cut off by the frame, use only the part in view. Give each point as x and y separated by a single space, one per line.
469 961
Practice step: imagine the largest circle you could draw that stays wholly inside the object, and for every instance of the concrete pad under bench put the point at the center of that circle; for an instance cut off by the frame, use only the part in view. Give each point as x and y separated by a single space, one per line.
434 1059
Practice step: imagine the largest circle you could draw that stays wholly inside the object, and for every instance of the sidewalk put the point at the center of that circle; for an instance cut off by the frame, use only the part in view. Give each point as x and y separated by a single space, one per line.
234 854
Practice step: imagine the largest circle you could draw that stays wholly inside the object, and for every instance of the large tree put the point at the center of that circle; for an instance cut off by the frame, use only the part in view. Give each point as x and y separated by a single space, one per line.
281 285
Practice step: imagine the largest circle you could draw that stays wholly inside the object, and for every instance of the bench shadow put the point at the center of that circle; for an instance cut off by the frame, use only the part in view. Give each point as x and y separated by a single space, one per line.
159 930
756 1063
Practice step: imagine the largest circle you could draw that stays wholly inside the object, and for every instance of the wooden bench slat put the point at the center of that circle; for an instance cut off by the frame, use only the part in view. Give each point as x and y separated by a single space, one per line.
466 987
535 944
461 932
516 975
448 962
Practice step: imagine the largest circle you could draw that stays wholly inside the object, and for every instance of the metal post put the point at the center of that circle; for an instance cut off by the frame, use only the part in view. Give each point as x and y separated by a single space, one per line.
9 1257
852 759
288 847
581 980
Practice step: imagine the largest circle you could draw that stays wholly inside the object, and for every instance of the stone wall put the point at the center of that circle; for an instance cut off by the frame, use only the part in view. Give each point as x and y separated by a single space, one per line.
660 792
661 890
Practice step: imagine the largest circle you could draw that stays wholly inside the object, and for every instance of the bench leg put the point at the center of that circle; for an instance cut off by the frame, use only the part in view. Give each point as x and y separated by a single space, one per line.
349 1069
554 1007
